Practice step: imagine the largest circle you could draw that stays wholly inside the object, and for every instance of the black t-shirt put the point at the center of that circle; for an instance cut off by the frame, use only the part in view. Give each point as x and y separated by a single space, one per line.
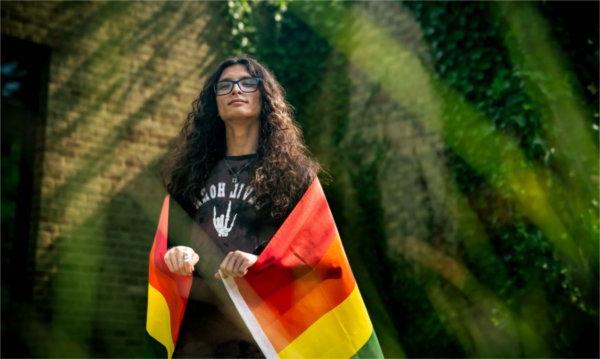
228 211
229 218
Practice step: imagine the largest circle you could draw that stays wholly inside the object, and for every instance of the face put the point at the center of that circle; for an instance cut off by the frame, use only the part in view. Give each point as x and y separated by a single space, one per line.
238 105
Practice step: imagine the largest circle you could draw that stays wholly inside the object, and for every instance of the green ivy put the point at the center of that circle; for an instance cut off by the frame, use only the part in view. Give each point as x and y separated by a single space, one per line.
468 55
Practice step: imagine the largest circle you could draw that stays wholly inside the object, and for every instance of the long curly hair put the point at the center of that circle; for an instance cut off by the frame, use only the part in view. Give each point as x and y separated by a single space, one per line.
284 168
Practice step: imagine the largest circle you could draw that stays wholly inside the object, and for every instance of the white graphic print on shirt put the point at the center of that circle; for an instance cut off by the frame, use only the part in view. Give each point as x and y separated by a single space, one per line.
220 223
237 191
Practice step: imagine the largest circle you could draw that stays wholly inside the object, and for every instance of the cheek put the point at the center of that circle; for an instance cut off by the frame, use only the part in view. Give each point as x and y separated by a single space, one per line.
257 103
220 106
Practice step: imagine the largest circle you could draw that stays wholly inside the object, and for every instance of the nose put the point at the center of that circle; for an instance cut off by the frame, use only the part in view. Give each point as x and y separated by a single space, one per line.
236 89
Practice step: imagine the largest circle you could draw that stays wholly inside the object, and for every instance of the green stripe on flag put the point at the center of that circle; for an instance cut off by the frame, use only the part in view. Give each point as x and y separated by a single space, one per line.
371 349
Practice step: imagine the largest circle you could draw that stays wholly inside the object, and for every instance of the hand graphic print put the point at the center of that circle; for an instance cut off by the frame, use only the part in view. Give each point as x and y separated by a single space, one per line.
221 222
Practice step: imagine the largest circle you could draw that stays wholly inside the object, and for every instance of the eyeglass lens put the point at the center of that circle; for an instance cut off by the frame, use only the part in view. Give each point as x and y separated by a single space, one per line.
249 84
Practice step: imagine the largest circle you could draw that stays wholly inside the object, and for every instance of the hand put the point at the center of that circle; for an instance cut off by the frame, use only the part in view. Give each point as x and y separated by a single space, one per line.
236 264
181 260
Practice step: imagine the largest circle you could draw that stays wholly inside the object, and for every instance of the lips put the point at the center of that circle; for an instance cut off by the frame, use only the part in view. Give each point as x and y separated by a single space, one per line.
237 100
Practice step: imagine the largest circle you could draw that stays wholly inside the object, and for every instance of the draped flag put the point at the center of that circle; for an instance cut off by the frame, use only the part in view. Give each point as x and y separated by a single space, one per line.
167 292
300 298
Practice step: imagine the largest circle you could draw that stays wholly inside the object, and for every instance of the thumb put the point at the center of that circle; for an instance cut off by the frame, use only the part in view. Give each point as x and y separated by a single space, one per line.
195 258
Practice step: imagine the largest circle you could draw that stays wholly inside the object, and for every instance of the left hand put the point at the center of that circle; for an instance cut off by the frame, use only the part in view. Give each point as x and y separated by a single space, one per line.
235 264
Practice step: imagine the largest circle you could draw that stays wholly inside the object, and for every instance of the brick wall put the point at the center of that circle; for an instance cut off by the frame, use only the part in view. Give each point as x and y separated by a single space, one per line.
122 79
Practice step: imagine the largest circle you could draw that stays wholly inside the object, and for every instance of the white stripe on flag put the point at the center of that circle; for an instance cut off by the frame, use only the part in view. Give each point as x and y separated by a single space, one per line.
255 329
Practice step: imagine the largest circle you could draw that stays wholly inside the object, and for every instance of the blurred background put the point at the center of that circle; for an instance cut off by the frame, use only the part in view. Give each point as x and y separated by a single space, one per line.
461 138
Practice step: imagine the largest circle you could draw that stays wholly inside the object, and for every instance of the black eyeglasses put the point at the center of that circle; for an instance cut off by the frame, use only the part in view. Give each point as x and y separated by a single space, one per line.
246 84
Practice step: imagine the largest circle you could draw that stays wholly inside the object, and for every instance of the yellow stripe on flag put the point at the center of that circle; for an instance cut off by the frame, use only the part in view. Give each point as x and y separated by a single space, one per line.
340 333
158 322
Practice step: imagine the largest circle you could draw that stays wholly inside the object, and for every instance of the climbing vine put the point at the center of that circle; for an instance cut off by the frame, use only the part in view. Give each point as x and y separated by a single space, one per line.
469 56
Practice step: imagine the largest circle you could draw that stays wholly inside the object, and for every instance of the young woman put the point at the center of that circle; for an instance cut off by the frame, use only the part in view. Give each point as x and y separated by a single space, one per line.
239 169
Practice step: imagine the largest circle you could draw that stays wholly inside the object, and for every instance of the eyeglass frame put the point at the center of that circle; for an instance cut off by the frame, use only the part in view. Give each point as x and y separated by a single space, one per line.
258 80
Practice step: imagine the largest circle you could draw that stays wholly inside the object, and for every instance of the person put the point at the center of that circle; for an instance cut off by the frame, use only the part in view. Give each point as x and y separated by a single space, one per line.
238 170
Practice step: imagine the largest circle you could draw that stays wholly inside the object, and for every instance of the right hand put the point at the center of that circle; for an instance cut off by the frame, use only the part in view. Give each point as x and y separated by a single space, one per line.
236 264
181 260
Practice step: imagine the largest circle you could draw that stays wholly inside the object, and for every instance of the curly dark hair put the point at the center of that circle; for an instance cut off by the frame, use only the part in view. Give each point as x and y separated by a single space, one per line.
284 168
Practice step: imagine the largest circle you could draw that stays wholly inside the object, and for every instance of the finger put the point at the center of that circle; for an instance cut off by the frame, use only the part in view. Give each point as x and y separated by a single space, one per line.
179 263
224 261
194 261
185 267
183 261
186 260
248 260
225 265
241 260
169 261
244 267
220 275
237 263
228 270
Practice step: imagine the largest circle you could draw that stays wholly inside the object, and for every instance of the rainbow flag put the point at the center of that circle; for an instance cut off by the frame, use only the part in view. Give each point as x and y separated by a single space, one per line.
167 292
300 299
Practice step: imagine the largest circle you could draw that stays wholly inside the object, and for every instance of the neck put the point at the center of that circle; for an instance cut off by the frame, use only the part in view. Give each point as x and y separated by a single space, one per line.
241 139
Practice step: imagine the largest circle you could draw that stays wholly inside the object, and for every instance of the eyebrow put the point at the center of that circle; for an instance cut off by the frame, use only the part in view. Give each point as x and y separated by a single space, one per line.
230 79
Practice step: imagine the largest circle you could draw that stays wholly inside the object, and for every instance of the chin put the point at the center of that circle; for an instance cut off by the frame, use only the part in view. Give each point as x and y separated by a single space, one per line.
242 117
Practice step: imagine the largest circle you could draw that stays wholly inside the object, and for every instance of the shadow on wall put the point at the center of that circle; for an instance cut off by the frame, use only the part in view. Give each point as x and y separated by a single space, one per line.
89 291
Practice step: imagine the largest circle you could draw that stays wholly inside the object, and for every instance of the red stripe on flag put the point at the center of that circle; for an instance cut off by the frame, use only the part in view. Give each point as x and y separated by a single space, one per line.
310 297
295 249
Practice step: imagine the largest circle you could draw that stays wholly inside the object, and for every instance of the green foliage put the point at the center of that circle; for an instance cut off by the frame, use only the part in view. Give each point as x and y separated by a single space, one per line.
468 55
